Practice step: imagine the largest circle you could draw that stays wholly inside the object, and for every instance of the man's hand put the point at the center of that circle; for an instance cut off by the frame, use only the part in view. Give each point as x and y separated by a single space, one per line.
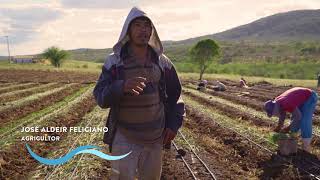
134 85
168 135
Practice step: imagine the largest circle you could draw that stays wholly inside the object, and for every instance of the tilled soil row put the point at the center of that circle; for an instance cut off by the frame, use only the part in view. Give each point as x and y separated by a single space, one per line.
196 166
256 92
257 95
17 87
252 94
257 105
262 86
254 89
16 162
259 91
102 172
11 97
310 161
273 92
249 102
15 113
173 166
230 111
232 153
81 166
46 76
236 114
210 153
6 84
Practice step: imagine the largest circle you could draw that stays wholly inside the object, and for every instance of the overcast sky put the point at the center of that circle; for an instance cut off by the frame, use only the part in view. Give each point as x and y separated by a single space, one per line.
34 25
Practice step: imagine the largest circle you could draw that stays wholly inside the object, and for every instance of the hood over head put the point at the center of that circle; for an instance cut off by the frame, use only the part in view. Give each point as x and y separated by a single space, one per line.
154 40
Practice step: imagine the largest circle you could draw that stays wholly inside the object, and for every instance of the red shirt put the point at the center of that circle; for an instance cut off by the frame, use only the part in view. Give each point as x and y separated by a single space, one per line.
293 98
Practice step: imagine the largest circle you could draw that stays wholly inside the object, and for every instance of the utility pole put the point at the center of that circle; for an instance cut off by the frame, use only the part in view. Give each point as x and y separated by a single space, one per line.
9 57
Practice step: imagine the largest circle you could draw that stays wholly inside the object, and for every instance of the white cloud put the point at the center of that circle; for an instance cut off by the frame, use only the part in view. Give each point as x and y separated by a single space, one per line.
106 4
23 24
37 24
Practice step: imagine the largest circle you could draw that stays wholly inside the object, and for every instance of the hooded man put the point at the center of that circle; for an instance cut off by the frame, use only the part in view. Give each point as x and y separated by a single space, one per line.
301 103
141 87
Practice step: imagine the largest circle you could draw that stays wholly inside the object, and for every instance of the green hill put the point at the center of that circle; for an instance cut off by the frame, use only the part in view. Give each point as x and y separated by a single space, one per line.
300 25
284 45
283 37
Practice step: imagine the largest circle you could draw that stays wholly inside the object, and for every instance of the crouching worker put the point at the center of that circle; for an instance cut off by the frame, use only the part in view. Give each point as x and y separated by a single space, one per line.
202 85
243 83
142 89
219 86
301 103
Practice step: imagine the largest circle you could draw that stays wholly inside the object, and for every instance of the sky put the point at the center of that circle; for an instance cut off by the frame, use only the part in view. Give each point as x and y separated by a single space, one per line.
34 25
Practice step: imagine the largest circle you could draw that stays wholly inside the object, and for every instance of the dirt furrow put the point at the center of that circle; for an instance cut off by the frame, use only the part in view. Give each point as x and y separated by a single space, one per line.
17 162
241 115
36 105
26 92
17 87
229 145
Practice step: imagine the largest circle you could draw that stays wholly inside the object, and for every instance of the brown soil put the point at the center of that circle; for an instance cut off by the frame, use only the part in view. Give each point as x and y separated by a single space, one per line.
237 98
240 115
7 98
17 162
6 84
257 92
230 111
20 87
233 149
45 76
15 113
253 97
173 167
102 172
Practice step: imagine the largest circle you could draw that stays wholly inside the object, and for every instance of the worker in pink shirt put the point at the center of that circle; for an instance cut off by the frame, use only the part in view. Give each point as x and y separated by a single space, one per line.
301 103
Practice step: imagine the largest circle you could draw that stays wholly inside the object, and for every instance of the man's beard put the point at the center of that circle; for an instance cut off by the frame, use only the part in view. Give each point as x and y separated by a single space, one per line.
142 41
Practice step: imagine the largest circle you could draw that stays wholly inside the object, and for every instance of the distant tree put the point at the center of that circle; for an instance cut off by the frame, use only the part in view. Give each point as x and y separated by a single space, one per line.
204 53
55 55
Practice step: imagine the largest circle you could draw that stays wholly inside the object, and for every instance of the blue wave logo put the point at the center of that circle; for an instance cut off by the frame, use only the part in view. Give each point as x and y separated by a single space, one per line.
89 149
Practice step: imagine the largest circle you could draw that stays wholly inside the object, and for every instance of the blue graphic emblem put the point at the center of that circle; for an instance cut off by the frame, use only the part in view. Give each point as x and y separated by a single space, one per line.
89 149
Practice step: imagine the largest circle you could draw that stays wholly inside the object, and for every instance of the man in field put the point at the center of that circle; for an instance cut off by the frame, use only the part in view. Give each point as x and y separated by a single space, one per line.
301 103
202 86
141 87
219 86
243 83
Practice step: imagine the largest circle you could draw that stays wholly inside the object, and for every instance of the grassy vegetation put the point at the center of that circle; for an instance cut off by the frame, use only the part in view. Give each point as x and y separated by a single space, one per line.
251 72
293 60
69 65
93 55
